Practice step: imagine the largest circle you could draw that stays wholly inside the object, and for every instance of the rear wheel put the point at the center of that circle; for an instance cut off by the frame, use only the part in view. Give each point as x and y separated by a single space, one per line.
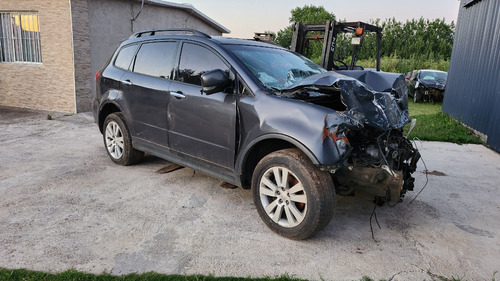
292 196
118 142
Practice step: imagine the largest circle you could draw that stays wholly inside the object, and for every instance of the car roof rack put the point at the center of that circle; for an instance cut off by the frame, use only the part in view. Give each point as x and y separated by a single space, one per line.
152 32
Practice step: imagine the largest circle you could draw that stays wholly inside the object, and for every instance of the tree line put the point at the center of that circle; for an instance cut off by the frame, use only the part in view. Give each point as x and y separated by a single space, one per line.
414 44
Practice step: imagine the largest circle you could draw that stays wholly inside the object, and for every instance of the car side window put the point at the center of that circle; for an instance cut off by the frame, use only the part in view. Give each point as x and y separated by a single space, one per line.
156 59
125 56
196 60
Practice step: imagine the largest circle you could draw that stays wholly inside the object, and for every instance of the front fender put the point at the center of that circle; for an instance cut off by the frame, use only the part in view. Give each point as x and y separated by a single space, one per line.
245 152
301 124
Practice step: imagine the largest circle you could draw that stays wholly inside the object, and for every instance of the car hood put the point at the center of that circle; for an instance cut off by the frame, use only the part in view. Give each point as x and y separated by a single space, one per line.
433 84
375 99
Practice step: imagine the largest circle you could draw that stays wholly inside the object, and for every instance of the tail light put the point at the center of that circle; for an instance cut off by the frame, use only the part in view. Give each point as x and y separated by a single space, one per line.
97 74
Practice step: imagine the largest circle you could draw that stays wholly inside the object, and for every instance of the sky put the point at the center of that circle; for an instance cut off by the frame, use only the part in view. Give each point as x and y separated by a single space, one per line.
244 17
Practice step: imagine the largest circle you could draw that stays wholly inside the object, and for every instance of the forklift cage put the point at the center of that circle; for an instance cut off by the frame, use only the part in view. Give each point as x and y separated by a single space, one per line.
330 31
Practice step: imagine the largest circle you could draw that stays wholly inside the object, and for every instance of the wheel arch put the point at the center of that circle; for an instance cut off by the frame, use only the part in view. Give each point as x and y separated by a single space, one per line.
263 146
106 109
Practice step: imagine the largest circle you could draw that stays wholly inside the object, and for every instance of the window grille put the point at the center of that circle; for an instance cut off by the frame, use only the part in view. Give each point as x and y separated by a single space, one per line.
20 37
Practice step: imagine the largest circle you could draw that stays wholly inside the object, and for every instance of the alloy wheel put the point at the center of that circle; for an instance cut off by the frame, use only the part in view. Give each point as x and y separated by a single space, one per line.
114 140
283 197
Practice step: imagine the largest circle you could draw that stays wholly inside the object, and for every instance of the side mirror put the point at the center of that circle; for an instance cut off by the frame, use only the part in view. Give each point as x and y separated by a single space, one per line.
214 81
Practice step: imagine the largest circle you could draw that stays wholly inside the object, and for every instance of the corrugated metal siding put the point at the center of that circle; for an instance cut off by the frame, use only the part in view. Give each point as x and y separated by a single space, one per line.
473 87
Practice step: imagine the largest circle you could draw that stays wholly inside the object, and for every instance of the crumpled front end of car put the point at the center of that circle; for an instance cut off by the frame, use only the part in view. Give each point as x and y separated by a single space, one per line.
432 92
374 155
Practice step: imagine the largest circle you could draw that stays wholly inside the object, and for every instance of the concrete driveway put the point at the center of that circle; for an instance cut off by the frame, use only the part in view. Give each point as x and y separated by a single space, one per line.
64 205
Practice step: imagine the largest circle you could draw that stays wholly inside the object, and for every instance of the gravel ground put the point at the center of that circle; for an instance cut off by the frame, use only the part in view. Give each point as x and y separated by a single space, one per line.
65 205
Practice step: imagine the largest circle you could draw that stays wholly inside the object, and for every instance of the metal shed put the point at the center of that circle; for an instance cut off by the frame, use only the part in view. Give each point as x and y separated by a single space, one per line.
473 87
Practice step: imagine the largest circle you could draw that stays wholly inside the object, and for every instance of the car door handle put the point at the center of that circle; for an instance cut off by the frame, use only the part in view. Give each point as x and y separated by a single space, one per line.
177 95
127 82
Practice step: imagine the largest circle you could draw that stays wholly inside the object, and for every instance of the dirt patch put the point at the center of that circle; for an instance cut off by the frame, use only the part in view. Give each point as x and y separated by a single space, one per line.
65 205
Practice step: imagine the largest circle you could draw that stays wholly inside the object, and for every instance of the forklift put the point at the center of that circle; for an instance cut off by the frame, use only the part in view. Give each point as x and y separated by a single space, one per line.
331 29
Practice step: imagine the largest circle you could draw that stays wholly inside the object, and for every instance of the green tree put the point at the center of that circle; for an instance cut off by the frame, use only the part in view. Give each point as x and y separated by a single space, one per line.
414 44
309 14
430 40
284 37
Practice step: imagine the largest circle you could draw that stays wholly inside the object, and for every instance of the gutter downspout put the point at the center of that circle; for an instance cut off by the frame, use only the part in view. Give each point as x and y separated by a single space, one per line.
134 17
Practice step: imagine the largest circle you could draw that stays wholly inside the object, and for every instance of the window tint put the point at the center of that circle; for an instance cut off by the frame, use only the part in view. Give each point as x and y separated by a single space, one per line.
156 59
196 60
125 57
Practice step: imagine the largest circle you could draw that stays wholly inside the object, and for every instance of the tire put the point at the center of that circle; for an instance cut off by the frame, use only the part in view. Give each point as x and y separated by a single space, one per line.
432 99
117 141
298 207
417 97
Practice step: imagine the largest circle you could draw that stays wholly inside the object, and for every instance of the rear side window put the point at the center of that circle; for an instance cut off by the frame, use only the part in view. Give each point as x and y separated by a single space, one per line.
125 57
156 59
196 60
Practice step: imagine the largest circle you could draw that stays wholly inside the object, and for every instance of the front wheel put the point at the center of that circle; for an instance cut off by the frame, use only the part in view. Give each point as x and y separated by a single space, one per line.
417 96
118 142
293 197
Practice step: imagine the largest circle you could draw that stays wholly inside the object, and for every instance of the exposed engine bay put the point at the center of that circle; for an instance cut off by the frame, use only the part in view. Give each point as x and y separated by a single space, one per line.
367 129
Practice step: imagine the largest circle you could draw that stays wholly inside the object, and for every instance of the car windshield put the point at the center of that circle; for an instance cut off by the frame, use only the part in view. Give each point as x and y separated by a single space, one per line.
433 75
275 68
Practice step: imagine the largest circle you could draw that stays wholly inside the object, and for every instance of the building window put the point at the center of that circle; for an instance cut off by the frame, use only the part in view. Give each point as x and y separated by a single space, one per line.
20 37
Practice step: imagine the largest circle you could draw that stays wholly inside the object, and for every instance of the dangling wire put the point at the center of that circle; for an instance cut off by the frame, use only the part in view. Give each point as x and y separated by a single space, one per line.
381 150
376 220
426 175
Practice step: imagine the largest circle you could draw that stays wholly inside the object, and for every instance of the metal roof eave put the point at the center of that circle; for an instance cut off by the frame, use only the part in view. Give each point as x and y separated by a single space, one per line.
193 10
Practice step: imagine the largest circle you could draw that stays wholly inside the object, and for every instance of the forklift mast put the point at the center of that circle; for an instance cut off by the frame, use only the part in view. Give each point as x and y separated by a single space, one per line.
330 31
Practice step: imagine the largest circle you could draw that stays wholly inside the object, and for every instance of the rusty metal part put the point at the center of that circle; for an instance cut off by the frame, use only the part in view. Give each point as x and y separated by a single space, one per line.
227 185
333 135
169 168
377 181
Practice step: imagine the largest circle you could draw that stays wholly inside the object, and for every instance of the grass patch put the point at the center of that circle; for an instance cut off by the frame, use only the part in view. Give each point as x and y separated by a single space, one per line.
434 125
70 275
73 275
423 108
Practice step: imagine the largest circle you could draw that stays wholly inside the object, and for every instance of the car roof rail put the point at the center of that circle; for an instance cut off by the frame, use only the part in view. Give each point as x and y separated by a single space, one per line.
152 32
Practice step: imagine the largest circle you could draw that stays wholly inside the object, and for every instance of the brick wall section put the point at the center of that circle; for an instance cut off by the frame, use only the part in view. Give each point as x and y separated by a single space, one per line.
49 85
81 45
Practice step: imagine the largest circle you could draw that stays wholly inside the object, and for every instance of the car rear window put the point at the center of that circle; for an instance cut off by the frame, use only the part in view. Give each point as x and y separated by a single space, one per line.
125 57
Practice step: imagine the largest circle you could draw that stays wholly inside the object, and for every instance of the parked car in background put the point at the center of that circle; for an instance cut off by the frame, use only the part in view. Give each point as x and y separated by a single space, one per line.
427 85
258 116
407 76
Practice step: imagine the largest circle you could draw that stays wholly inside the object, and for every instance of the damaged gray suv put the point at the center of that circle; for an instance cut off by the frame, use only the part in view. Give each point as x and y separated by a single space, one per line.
260 117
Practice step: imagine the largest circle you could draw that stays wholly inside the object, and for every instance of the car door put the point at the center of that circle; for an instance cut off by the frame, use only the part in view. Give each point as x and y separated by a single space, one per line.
146 87
201 126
